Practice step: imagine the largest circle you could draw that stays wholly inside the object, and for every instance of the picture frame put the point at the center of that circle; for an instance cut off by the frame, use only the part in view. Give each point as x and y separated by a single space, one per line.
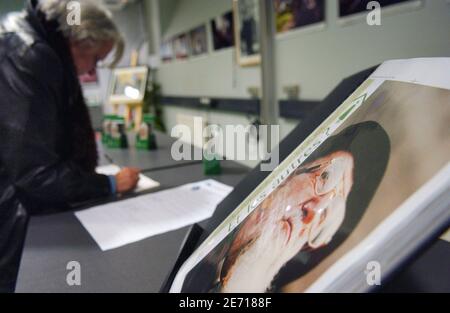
293 15
181 47
246 28
352 7
166 51
198 41
128 84
358 14
222 29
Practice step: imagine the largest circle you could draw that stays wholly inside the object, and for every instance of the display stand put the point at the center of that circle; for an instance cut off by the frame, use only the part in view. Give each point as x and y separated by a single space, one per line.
128 89
198 234
189 244
225 263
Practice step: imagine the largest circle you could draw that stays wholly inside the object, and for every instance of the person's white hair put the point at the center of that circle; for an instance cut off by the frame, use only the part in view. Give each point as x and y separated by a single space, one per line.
96 23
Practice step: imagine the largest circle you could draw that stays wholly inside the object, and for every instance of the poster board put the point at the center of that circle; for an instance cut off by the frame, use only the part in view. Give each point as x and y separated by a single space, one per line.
332 229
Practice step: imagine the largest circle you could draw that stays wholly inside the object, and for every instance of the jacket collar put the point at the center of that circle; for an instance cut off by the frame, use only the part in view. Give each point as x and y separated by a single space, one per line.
48 31
35 19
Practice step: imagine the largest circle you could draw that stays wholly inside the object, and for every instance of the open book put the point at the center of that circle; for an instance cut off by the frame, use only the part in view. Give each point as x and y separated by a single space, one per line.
350 203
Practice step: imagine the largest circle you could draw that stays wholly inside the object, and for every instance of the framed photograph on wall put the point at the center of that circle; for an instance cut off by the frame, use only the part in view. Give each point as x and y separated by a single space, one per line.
128 85
198 41
350 7
181 46
166 51
293 14
223 31
246 28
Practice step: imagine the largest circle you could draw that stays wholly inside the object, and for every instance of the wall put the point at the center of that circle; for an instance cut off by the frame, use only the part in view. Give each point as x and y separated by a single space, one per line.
322 58
316 58
215 74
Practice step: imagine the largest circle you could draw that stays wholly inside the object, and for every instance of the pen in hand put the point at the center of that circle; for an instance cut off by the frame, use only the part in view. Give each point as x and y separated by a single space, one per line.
126 179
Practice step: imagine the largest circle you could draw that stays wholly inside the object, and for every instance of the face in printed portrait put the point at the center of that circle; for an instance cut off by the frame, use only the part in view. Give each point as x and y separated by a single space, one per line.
303 213
307 217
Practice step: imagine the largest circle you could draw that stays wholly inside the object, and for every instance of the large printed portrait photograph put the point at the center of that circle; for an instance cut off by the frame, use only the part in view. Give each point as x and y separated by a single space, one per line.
347 187
303 219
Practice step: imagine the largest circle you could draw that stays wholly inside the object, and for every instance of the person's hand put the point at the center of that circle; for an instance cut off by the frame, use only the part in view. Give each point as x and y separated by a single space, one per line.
127 179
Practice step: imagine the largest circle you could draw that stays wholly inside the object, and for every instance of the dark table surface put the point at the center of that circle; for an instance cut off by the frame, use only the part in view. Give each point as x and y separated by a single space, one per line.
53 241
429 272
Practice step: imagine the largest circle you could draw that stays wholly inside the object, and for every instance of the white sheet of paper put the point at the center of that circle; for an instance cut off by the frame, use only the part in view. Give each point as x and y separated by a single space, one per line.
119 223
424 71
446 236
145 183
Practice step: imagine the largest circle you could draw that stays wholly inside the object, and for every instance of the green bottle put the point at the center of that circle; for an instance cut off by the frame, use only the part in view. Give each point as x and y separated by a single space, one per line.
211 164
118 134
211 167
106 129
145 138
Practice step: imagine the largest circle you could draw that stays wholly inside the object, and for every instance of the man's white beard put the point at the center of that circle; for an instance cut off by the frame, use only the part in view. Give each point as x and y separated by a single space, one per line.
255 269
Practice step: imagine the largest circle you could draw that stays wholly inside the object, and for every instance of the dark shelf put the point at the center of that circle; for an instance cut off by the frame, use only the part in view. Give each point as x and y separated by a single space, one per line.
294 109
297 109
247 106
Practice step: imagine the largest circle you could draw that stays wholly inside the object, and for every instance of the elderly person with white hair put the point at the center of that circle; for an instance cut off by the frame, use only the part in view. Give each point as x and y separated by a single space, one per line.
47 145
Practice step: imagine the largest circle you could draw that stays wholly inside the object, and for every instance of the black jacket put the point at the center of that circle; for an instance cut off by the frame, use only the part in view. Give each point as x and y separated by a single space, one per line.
47 145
